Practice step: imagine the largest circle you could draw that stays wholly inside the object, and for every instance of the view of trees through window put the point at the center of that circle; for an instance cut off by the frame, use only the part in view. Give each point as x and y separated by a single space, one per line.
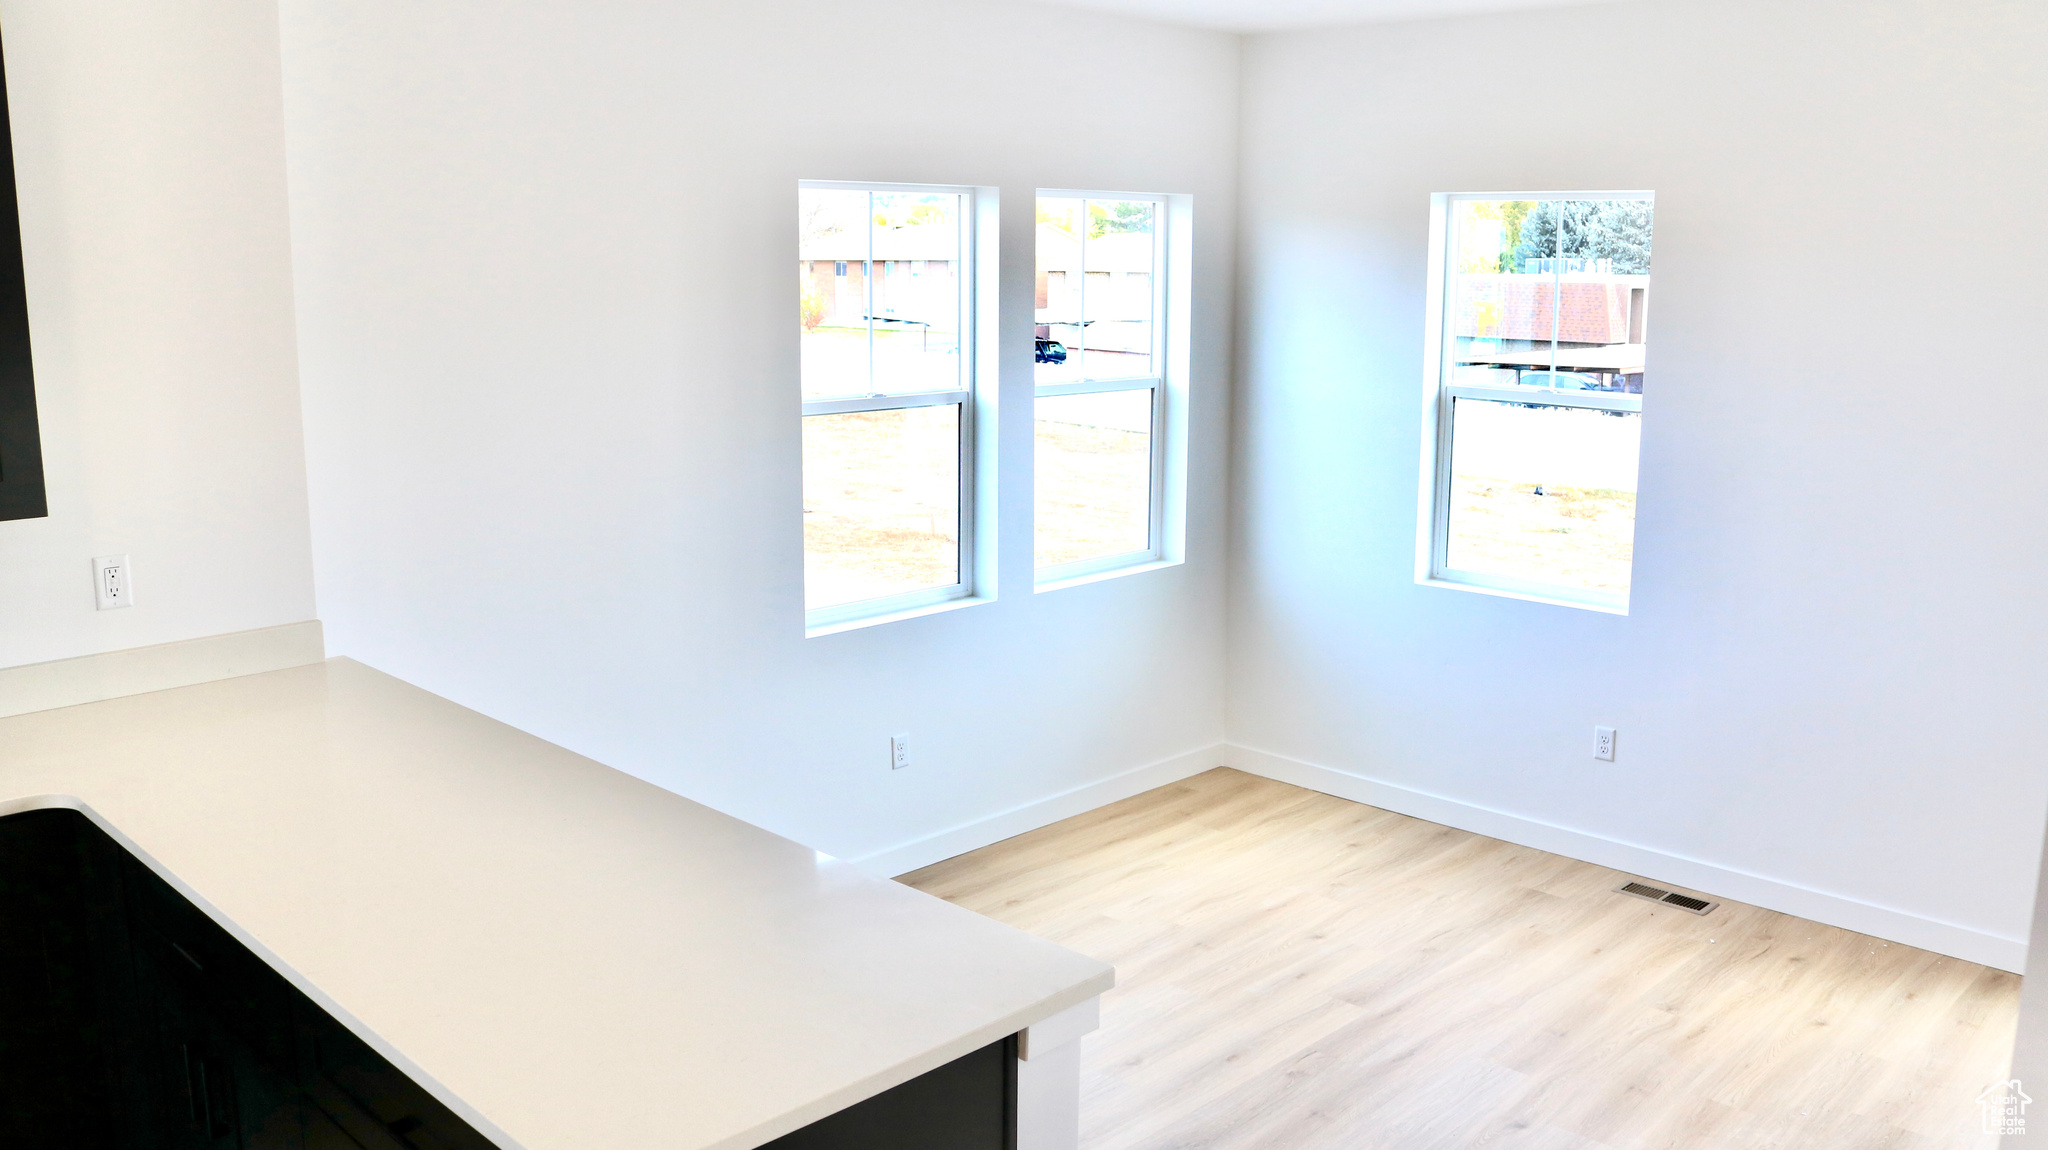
1546 311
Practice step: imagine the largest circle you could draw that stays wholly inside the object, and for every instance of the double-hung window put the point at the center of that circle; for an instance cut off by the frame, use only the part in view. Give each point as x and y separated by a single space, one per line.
1537 331
1103 386
887 302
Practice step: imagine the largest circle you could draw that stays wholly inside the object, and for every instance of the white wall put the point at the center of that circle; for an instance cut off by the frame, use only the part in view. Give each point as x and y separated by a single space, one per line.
149 145
550 378
554 438
1829 690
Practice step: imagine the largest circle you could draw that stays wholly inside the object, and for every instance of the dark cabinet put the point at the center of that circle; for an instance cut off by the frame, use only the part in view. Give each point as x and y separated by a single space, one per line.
129 1020
969 1103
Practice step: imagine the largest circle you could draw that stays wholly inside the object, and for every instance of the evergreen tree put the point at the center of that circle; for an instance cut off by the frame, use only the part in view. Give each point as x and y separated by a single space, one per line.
1617 230
1118 216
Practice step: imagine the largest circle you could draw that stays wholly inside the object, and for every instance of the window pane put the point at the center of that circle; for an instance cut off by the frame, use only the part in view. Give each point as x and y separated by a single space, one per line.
881 503
1094 475
1118 296
1057 308
1550 293
832 253
1543 494
917 292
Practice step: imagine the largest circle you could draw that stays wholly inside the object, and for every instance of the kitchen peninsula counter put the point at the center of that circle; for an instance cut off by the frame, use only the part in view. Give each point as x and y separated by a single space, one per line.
564 955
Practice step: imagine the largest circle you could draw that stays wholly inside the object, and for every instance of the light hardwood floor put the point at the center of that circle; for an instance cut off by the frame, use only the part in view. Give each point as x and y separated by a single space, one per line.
1300 972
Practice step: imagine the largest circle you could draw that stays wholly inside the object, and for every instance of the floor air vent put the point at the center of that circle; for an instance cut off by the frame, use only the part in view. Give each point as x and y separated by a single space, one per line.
1667 897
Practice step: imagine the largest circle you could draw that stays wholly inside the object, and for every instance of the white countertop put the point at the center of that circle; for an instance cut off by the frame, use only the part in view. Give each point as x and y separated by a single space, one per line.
565 955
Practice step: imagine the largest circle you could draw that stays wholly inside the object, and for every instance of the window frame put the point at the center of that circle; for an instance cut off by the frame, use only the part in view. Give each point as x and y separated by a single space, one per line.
975 398
1439 401
1171 232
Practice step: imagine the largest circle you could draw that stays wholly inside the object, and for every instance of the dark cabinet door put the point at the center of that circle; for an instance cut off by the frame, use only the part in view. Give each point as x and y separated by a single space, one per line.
69 1038
967 1104
129 1020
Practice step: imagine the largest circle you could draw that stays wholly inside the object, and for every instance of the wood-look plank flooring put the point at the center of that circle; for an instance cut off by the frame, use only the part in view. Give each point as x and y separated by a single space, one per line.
1299 972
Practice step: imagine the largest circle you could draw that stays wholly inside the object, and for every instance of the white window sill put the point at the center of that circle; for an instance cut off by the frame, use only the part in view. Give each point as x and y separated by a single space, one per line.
1526 596
1060 583
895 616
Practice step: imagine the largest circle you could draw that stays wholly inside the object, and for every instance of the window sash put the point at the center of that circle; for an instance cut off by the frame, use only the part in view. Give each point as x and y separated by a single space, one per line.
825 619
1550 197
1531 589
1444 394
873 271
1155 513
1156 380
1452 241
886 402
1094 386
862 610
1158 274
1440 569
1547 397
963 585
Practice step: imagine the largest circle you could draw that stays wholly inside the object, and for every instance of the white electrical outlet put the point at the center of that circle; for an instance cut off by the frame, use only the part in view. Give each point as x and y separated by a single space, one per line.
1603 743
899 752
111 585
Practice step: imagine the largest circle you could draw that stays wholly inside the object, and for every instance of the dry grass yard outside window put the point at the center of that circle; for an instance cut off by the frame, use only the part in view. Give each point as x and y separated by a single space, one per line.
1505 526
1093 475
881 503
1544 493
1300 972
881 499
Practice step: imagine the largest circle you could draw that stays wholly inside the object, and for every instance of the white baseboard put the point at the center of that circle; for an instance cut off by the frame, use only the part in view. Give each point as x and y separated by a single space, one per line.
1713 879
958 840
90 678
1677 870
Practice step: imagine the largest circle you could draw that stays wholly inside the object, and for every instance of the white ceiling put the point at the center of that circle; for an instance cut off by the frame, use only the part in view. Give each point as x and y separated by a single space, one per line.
1272 15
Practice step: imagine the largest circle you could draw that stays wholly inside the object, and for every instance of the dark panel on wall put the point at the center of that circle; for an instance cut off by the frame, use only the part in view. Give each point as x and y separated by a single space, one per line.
21 445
